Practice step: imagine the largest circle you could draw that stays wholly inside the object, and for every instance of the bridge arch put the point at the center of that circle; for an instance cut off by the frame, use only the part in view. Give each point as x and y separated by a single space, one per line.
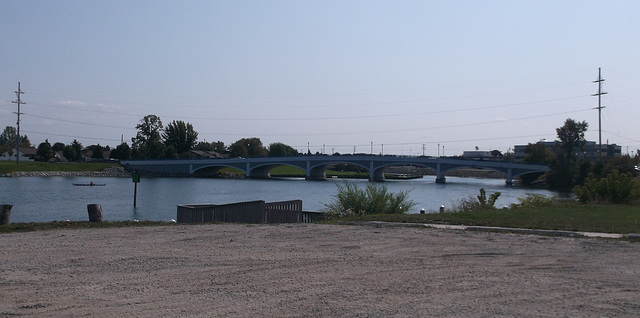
212 170
263 171
319 171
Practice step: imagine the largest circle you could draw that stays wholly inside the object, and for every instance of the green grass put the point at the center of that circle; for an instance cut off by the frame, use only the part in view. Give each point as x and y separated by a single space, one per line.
295 172
34 226
621 219
30 166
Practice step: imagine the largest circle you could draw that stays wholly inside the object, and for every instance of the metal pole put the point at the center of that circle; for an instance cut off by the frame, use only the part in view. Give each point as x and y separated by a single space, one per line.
135 194
600 107
19 102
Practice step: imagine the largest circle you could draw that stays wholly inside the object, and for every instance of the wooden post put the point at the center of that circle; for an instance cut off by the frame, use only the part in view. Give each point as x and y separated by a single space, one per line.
95 212
5 213
135 177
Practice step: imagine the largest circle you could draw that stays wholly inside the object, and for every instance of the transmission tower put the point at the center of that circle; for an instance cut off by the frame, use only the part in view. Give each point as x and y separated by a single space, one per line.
19 102
599 108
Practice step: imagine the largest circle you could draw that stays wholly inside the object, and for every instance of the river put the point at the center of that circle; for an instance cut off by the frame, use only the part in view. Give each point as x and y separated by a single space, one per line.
44 199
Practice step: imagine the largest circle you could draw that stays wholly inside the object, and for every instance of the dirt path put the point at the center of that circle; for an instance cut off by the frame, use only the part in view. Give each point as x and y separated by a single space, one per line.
313 270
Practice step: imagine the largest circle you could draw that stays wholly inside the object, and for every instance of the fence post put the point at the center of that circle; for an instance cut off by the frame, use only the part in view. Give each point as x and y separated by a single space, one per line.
95 212
5 213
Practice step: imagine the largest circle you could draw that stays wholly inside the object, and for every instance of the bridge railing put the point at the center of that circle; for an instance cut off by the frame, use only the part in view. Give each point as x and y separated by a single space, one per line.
247 212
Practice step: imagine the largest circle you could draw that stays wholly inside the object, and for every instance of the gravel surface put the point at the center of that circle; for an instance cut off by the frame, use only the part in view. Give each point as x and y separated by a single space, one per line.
313 270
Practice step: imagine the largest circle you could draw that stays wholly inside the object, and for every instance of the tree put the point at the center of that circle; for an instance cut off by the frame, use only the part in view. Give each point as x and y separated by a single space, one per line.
217 146
180 135
278 149
58 146
538 153
96 151
8 138
148 143
248 147
121 152
45 151
571 136
75 151
564 172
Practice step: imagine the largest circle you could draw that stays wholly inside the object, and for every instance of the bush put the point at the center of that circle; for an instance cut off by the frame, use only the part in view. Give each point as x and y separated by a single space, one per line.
478 203
374 199
535 200
615 188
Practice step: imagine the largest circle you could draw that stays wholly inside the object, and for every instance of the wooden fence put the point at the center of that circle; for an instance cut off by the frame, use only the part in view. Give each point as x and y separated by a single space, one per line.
247 212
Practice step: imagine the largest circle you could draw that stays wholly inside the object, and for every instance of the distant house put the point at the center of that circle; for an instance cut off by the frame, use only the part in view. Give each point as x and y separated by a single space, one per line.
477 154
87 155
25 154
207 154
58 157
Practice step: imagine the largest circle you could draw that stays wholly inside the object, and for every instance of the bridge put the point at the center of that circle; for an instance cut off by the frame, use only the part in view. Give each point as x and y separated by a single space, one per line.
315 167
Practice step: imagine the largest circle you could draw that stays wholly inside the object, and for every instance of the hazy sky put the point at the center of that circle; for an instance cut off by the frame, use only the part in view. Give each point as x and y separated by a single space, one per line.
402 75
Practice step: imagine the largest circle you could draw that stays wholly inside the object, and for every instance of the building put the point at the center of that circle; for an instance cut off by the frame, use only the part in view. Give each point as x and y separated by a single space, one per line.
477 154
25 154
590 150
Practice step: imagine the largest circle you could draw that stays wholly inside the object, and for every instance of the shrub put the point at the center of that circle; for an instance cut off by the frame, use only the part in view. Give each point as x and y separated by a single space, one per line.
614 188
534 200
478 203
373 199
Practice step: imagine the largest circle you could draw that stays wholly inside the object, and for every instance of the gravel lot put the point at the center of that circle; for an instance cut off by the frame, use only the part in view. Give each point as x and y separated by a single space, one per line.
313 270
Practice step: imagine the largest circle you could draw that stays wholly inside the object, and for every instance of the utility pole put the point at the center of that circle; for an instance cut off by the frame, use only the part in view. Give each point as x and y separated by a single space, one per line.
19 102
599 108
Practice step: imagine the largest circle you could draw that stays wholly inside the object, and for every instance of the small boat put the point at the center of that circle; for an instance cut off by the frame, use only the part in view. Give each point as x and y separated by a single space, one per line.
91 184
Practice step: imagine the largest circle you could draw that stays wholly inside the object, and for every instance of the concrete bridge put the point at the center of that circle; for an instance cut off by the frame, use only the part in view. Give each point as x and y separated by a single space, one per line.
315 167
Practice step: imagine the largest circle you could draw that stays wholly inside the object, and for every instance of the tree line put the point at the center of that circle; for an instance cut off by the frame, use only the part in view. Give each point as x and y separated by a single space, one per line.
570 172
153 140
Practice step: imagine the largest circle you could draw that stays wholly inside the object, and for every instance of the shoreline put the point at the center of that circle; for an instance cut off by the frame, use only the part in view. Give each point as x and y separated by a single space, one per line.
112 172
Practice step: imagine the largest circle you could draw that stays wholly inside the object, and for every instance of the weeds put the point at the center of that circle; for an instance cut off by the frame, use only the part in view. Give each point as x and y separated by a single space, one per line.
373 199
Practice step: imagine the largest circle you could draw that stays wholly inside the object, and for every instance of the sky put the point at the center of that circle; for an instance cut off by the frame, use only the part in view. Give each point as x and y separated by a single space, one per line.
393 77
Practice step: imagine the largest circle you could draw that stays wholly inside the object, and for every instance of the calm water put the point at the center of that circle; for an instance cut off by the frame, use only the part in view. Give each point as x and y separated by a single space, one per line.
42 199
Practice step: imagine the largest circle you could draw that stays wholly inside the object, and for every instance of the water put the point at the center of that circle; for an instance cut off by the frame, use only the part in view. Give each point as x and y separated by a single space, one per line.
43 199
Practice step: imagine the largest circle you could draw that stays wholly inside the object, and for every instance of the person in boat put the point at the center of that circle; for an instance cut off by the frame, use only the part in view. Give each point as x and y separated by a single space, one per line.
91 183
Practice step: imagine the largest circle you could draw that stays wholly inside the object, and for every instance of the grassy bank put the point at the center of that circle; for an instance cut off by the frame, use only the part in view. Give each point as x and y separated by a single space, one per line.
621 219
34 226
30 166
293 172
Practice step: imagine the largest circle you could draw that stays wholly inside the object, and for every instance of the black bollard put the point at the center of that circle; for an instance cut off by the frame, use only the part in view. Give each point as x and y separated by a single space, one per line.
5 213
95 212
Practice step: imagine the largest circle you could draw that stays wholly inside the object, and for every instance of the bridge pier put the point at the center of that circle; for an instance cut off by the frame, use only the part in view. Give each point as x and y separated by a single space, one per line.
440 175
317 173
509 177
377 175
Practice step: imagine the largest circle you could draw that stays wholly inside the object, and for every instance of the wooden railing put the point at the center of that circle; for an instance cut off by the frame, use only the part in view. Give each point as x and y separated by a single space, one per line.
247 212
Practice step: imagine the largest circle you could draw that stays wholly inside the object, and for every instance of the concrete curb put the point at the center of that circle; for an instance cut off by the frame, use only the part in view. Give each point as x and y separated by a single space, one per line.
631 236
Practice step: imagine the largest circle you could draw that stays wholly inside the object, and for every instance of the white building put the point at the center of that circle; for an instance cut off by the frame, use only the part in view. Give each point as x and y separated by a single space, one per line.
26 154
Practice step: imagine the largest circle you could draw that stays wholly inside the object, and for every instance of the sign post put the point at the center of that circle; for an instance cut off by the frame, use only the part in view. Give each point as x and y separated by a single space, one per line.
136 179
